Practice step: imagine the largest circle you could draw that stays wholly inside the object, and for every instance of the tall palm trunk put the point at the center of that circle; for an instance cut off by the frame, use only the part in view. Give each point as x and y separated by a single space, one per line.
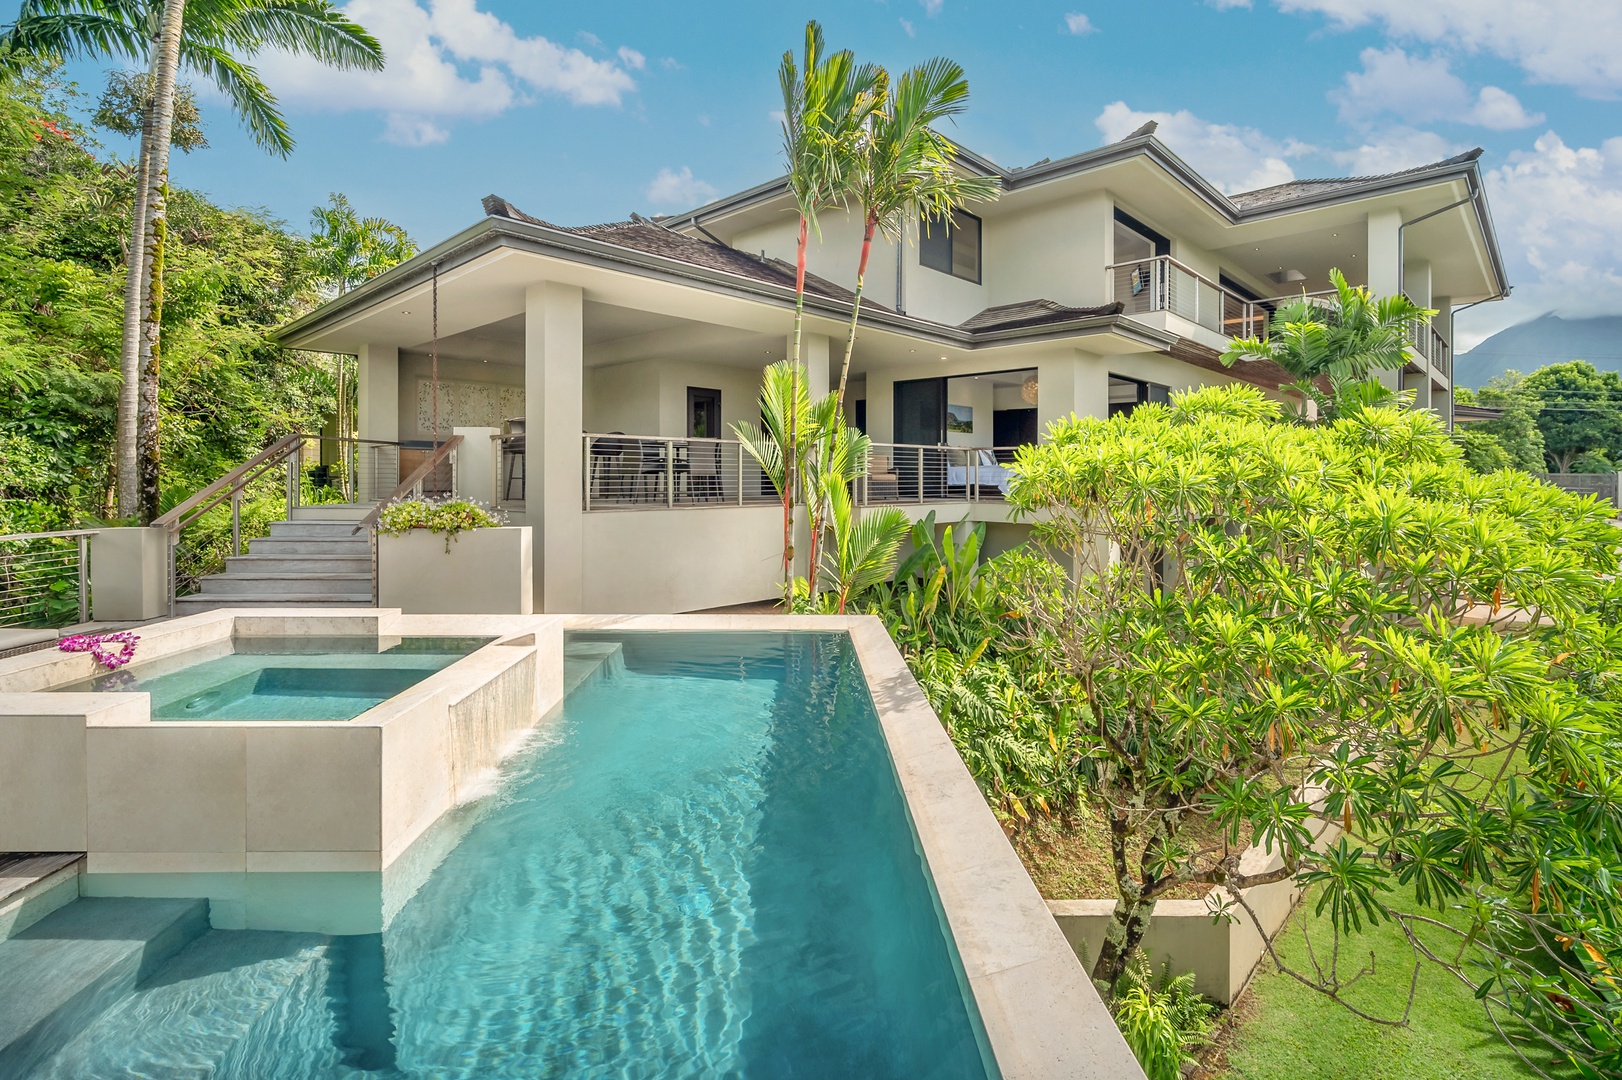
155 181
792 442
129 359
856 304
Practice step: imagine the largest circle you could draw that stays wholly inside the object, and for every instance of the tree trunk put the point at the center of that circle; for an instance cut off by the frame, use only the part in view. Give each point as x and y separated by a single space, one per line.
856 307
156 182
1122 938
127 460
792 441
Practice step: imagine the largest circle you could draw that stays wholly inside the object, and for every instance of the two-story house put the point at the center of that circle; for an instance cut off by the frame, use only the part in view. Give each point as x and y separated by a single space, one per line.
595 371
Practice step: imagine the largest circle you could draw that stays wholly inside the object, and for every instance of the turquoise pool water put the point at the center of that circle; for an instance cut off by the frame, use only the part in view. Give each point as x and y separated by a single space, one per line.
703 869
291 678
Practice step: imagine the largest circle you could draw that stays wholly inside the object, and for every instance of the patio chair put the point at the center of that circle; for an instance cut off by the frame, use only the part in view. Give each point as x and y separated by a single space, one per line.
651 469
883 484
704 470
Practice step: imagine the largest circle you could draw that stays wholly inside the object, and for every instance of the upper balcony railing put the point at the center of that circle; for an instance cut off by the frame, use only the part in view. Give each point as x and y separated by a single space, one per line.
1164 284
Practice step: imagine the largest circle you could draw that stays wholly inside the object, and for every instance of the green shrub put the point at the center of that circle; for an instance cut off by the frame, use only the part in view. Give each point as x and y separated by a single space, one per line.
448 518
1163 1019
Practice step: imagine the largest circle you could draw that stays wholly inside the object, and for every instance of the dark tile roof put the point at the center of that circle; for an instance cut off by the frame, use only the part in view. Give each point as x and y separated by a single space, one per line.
644 236
1470 414
1032 313
1306 189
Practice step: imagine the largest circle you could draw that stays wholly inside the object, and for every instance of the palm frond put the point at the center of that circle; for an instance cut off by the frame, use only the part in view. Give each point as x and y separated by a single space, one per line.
254 103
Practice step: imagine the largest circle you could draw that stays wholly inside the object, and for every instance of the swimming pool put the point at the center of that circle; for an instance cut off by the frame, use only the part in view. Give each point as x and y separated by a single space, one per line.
284 678
704 868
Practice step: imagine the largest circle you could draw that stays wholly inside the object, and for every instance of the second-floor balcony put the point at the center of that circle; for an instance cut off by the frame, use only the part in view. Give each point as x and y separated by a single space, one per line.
1162 284
648 472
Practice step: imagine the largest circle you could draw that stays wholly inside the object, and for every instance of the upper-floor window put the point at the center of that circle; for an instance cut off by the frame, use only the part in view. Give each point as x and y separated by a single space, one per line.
951 247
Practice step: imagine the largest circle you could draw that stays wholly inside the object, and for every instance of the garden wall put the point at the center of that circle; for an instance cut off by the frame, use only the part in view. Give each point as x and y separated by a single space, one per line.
1607 486
1223 954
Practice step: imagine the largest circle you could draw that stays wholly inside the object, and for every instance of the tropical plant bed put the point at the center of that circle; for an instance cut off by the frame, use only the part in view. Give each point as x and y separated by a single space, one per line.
1069 857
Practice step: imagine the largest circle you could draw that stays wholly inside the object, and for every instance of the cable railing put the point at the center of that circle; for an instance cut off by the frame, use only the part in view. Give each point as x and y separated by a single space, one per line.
646 472
633 472
434 474
1162 283
45 578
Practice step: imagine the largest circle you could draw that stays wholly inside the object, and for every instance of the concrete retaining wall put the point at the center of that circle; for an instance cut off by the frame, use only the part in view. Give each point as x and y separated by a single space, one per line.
1223 954
484 572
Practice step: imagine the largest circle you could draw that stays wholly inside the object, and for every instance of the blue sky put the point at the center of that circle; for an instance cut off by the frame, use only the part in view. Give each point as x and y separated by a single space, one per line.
584 112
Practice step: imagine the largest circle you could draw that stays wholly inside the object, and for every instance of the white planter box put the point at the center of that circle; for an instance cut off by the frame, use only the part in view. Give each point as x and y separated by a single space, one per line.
486 572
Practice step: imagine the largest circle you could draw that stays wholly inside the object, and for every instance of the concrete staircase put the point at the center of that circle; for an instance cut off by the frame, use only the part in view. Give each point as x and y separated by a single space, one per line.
316 559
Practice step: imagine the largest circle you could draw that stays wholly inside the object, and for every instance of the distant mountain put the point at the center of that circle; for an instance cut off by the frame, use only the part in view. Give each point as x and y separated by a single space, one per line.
1547 339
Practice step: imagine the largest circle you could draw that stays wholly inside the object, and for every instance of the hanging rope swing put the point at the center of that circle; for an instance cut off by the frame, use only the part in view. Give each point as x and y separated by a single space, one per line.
433 354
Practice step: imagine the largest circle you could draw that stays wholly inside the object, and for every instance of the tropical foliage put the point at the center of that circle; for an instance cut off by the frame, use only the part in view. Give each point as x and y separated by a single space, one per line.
1329 343
347 250
446 517
1259 624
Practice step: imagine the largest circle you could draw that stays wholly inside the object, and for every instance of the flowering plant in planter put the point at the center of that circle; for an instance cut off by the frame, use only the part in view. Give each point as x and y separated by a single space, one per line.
111 651
448 517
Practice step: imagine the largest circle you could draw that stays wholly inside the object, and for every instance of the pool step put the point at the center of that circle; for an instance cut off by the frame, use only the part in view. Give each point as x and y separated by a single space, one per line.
59 975
172 1025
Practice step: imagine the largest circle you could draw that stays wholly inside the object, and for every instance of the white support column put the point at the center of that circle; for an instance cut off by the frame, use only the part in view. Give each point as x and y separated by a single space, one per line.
379 392
554 399
1070 382
1385 267
816 353
378 389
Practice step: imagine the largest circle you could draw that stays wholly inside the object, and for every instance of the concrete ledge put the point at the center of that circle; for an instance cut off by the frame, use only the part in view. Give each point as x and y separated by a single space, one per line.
25 906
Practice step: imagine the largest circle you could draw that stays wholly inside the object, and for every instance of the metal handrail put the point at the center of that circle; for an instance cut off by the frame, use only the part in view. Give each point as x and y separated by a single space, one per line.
233 481
82 562
441 453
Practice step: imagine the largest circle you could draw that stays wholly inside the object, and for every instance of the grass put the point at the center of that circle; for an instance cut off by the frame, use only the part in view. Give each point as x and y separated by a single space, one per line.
1282 1030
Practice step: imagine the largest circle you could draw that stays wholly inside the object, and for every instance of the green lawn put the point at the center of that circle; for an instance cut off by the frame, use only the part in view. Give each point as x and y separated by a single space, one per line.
1291 1032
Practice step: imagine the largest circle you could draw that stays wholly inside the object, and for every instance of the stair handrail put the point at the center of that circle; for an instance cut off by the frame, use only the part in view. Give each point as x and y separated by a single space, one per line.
410 483
238 478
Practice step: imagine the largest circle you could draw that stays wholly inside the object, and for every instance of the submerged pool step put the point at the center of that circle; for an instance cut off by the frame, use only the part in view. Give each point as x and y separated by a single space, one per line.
190 1019
59 975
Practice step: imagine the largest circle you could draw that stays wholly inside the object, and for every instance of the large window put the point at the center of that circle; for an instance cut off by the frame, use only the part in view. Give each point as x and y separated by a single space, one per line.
951 247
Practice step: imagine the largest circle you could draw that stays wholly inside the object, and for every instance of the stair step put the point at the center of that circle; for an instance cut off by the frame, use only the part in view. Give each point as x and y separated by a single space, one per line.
172 1026
293 565
240 584
201 602
349 512
295 530
355 548
60 974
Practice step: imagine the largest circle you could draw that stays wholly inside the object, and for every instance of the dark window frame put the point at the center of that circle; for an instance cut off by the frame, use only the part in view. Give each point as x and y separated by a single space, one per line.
926 233
1147 392
1162 244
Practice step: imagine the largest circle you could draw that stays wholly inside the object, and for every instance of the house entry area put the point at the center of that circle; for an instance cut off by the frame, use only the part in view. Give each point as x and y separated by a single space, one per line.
955 438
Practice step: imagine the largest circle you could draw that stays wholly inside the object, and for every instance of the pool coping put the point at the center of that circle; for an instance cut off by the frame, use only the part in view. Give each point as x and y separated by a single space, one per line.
1041 1014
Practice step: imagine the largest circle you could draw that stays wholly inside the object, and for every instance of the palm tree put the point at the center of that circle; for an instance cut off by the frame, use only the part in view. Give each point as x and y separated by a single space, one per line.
904 167
347 250
864 548
205 36
1340 338
826 102
779 439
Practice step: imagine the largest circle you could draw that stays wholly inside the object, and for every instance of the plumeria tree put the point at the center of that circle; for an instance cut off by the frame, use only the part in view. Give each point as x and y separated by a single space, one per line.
1259 631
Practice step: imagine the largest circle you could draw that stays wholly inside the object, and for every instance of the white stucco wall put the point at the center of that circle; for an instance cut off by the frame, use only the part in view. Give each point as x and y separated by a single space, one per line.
415 367
682 560
976 394
650 397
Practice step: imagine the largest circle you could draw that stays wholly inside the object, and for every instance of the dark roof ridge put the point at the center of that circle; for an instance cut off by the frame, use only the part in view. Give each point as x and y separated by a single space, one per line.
1032 313
1456 159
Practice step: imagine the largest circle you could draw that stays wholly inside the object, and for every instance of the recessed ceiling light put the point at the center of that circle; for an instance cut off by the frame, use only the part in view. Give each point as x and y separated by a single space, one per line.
405 313
943 358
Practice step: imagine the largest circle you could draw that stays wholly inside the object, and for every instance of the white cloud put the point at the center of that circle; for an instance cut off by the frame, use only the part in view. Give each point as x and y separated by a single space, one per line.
633 60
1078 24
1393 149
590 39
445 59
1559 215
679 188
1576 43
908 27
1233 158
1421 89
413 131
931 7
